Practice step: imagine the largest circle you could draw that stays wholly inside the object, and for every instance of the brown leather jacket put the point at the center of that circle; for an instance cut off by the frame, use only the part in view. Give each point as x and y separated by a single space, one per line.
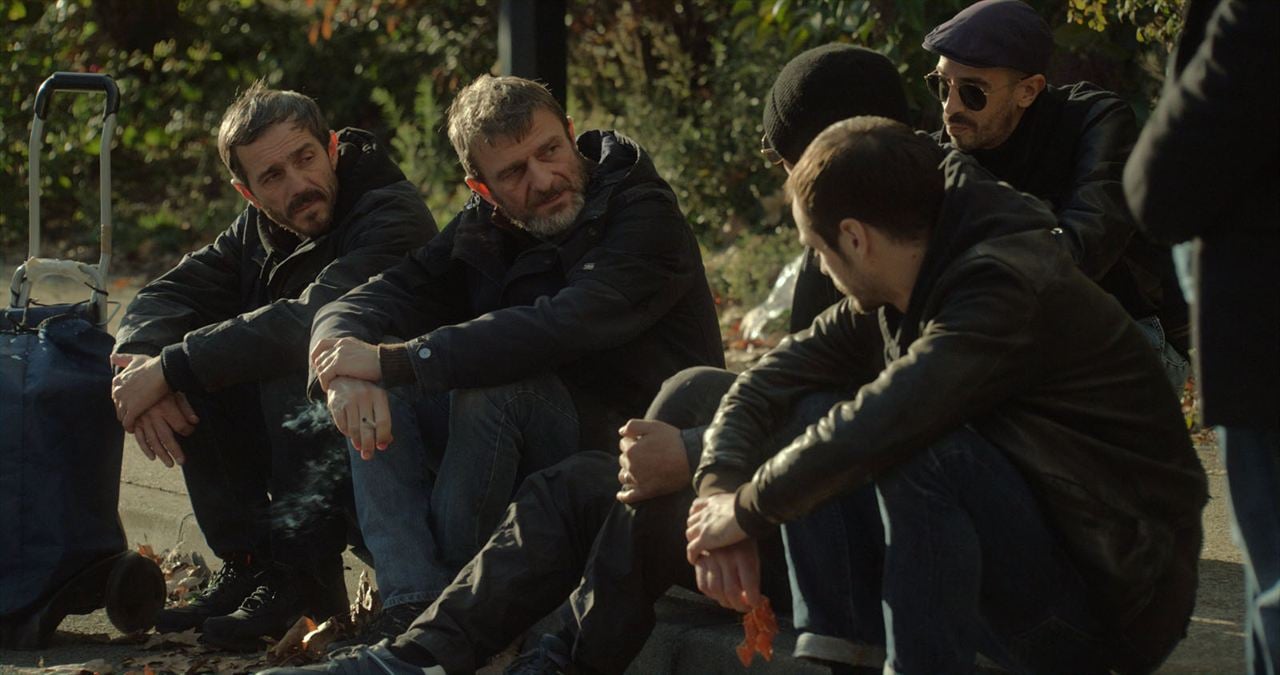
1004 334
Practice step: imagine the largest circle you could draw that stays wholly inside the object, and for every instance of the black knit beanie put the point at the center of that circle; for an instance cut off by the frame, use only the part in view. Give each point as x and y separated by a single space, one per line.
825 85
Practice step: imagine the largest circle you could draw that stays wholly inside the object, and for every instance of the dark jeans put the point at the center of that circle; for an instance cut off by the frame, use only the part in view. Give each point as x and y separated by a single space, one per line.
566 536
267 476
430 500
971 566
1252 457
835 560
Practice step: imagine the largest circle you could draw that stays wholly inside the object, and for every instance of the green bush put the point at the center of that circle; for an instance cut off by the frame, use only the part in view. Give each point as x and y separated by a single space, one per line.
685 79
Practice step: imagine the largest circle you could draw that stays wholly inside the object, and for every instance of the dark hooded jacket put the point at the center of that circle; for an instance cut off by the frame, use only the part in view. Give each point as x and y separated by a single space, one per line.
240 309
613 306
1004 334
1069 149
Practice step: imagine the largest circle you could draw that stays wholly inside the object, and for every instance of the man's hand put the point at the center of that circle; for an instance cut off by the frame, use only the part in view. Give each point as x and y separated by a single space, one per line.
653 459
156 427
345 357
124 361
136 388
711 525
361 413
731 575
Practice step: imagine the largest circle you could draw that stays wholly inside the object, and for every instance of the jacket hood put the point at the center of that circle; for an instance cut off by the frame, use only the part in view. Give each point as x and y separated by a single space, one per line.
975 208
620 163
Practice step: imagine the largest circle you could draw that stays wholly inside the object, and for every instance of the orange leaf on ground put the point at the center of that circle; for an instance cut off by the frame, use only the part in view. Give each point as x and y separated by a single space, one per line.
291 643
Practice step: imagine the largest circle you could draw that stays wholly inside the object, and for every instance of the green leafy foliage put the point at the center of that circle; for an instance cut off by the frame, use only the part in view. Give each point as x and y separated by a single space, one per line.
686 79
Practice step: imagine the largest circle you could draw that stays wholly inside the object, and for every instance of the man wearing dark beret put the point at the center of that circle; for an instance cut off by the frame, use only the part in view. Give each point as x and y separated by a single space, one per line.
1066 145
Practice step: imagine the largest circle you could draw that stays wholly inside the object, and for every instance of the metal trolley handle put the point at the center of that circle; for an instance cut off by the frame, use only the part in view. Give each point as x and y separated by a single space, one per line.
36 268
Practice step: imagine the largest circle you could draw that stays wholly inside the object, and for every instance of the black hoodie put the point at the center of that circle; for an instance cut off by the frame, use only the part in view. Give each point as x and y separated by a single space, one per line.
240 309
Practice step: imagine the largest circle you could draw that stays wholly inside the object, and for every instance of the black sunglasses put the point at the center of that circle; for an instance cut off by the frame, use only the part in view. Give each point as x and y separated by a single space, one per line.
972 96
770 155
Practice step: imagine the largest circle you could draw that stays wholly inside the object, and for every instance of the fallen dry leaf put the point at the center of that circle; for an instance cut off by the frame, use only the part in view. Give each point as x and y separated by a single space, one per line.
146 551
367 603
317 641
291 643
94 667
759 626
187 638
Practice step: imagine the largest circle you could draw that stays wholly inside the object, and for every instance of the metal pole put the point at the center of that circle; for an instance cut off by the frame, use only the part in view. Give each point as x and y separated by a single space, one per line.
533 43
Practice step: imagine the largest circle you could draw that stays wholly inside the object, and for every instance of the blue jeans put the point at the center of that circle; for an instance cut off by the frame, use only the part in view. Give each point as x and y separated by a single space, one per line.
1252 458
970 565
1176 366
835 559
430 500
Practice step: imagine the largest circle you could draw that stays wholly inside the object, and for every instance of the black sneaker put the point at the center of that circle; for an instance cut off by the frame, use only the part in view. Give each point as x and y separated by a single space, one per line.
223 595
269 611
389 624
550 657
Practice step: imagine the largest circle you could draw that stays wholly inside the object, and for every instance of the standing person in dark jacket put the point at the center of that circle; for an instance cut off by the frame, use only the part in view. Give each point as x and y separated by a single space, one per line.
1066 145
1207 167
214 355
542 318
1040 496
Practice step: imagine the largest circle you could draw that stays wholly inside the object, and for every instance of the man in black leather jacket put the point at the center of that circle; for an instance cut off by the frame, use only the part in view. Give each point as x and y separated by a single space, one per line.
542 318
1040 496
214 354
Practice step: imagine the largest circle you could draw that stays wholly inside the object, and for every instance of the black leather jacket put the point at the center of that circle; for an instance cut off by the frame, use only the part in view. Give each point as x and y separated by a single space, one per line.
1004 334
614 306
240 309
1069 149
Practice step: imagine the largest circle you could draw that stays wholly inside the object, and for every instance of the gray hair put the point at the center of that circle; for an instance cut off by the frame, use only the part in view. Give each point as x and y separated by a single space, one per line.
492 108
258 109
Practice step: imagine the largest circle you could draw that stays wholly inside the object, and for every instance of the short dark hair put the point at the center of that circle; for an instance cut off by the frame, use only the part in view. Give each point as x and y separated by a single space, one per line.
496 107
874 169
257 109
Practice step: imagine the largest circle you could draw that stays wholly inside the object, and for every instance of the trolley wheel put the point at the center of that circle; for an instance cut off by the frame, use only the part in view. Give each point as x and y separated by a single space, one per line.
135 593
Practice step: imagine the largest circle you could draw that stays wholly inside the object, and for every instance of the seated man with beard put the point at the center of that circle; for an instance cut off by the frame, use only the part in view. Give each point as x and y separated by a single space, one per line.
542 318
1039 494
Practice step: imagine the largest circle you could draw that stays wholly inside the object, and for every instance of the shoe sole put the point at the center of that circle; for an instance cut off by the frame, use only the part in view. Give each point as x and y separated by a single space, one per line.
107 580
135 593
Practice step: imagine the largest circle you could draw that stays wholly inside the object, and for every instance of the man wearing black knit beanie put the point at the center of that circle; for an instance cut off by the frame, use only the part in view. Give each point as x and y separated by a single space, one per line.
601 534
815 89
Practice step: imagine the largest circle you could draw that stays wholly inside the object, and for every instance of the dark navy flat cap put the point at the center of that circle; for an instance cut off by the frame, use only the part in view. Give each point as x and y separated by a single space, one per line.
993 34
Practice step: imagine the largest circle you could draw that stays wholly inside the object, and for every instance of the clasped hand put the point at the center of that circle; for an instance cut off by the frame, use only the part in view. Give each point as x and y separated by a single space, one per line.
652 461
348 371
149 410
725 561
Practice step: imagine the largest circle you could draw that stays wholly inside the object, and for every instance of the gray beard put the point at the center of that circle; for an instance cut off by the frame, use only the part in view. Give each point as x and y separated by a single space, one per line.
555 224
